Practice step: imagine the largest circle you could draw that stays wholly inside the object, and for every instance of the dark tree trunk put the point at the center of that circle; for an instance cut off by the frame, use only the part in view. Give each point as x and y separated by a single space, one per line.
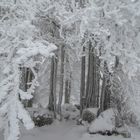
98 80
23 79
61 80
67 90
92 85
68 75
27 77
53 79
82 88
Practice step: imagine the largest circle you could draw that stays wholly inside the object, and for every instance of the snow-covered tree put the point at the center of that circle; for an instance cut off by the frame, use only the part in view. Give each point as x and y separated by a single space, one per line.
20 43
113 24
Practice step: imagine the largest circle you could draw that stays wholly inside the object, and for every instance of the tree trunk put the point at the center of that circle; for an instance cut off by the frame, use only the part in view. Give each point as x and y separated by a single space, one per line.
105 93
61 81
29 78
23 79
98 80
53 79
67 81
92 91
67 90
82 88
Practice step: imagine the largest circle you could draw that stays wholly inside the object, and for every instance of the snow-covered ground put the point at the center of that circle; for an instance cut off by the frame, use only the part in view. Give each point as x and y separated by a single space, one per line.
67 131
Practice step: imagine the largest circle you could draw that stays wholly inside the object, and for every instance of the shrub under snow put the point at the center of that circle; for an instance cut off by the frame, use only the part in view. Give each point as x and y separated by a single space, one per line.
89 114
41 116
70 112
105 122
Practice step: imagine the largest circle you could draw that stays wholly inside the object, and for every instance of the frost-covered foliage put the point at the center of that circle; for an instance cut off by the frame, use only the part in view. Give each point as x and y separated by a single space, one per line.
125 96
19 44
115 22
113 27
134 91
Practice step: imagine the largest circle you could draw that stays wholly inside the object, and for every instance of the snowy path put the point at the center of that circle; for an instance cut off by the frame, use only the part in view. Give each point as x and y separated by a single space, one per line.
59 131
66 131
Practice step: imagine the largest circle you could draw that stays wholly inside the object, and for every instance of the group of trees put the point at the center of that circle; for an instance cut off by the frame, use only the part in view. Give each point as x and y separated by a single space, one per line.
100 36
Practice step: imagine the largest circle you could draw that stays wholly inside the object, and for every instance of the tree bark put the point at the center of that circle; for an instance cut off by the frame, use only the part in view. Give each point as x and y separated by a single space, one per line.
67 80
53 79
67 90
105 93
92 91
98 80
82 88
61 81
29 78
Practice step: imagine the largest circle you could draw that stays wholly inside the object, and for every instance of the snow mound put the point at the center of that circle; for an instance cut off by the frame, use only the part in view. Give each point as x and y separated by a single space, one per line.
70 112
41 116
124 132
105 122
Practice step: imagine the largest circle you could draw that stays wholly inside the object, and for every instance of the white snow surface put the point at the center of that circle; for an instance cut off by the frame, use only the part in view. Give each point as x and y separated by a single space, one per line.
105 121
68 131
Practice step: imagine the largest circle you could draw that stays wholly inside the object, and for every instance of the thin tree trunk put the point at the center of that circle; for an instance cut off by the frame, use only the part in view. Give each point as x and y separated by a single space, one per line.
105 93
29 79
23 82
51 105
54 83
102 94
89 76
67 80
98 80
53 79
82 88
61 81
26 78
67 90
23 79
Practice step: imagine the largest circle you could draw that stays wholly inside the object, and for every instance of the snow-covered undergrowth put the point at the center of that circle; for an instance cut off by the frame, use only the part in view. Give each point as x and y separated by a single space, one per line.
41 116
89 114
70 112
105 122
34 112
68 131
